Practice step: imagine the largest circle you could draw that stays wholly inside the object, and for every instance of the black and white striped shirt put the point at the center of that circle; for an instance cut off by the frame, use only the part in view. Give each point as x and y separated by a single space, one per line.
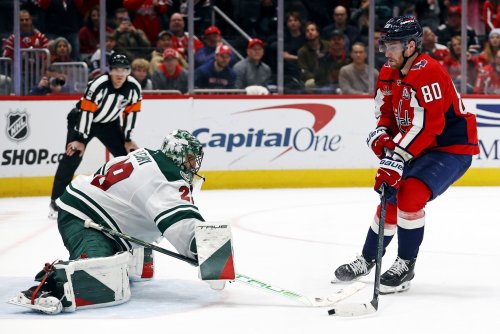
102 103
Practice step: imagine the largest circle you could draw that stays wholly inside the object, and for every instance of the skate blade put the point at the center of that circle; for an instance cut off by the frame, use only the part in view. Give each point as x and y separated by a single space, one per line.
44 309
387 290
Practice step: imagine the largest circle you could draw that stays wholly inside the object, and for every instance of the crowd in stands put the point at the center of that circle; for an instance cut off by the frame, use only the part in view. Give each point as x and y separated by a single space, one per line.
325 42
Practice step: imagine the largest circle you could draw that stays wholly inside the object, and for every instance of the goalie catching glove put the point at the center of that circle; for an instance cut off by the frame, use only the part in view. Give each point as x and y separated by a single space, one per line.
380 142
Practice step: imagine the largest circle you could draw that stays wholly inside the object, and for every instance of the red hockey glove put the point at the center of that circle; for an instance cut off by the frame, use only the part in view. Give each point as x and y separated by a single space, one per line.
389 172
379 141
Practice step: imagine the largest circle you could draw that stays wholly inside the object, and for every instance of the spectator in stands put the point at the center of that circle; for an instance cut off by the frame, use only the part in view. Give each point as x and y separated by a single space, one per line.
181 37
60 50
490 15
62 20
431 47
146 14
327 74
164 41
89 33
427 13
341 23
129 40
31 37
453 27
487 56
170 75
50 85
251 71
95 60
5 85
488 80
140 71
360 19
453 64
218 74
293 41
380 58
310 53
265 23
212 39
354 77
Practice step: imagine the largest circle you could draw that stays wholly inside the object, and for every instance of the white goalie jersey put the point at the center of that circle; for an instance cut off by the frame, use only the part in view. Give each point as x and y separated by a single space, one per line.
142 194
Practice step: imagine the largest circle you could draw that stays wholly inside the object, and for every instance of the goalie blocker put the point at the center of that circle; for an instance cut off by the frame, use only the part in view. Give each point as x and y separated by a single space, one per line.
215 254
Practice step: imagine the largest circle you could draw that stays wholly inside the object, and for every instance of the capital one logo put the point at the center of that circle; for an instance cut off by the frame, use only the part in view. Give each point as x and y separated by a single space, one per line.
303 139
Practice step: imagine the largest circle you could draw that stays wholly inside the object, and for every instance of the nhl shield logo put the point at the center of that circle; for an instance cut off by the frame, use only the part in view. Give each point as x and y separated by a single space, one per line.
17 125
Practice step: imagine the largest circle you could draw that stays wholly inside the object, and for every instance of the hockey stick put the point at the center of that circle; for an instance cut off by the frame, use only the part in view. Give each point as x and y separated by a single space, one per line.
314 302
353 310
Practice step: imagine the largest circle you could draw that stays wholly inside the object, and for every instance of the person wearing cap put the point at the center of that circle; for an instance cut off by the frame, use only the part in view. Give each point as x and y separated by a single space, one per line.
490 15
252 71
170 75
453 27
310 54
327 73
212 39
491 46
164 41
216 74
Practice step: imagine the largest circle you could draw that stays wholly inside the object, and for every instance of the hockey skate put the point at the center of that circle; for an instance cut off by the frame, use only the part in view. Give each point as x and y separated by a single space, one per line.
53 210
398 277
354 270
44 301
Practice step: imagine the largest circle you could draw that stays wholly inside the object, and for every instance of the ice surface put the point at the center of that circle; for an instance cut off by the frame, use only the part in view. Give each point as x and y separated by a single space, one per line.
293 238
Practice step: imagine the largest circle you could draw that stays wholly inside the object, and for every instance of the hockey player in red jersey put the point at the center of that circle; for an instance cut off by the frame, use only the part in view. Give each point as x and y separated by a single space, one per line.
425 139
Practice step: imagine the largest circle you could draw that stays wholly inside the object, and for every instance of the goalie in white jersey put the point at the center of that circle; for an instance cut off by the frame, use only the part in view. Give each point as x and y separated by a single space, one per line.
146 194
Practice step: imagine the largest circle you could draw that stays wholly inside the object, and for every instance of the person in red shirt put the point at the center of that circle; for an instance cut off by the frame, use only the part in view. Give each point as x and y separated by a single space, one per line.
490 16
30 37
146 14
181 37
425 139
488 79
453 64
89 33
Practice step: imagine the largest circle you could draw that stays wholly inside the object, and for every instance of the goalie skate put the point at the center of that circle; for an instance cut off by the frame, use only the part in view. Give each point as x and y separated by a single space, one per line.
398 277
44 303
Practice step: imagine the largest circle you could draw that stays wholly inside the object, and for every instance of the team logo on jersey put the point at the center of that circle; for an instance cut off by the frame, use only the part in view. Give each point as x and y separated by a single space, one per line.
421 64
406 94
17 125
386 90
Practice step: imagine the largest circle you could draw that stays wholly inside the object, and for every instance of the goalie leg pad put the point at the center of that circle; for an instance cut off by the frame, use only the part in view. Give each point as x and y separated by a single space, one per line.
215 253
141 265
94 282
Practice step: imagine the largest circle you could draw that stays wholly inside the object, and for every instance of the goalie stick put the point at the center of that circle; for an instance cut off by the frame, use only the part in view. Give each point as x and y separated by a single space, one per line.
314 302
352 309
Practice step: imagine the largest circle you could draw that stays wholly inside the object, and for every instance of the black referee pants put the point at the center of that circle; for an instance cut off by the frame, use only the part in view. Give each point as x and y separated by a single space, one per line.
110 134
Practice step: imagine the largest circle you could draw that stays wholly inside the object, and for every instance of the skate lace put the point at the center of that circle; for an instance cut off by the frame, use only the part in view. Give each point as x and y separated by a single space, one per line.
358 266
398 267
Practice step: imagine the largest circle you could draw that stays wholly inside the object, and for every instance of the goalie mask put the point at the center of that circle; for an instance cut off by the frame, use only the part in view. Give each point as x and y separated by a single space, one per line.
185 151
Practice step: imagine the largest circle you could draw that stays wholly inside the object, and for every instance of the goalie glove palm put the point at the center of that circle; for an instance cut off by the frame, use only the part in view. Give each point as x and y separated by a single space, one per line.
389 172
379 140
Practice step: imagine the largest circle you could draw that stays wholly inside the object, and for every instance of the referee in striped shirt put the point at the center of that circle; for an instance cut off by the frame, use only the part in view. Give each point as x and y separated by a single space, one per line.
97 114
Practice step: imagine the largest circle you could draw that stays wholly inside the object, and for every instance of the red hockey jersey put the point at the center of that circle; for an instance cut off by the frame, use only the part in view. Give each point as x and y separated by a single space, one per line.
424 111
